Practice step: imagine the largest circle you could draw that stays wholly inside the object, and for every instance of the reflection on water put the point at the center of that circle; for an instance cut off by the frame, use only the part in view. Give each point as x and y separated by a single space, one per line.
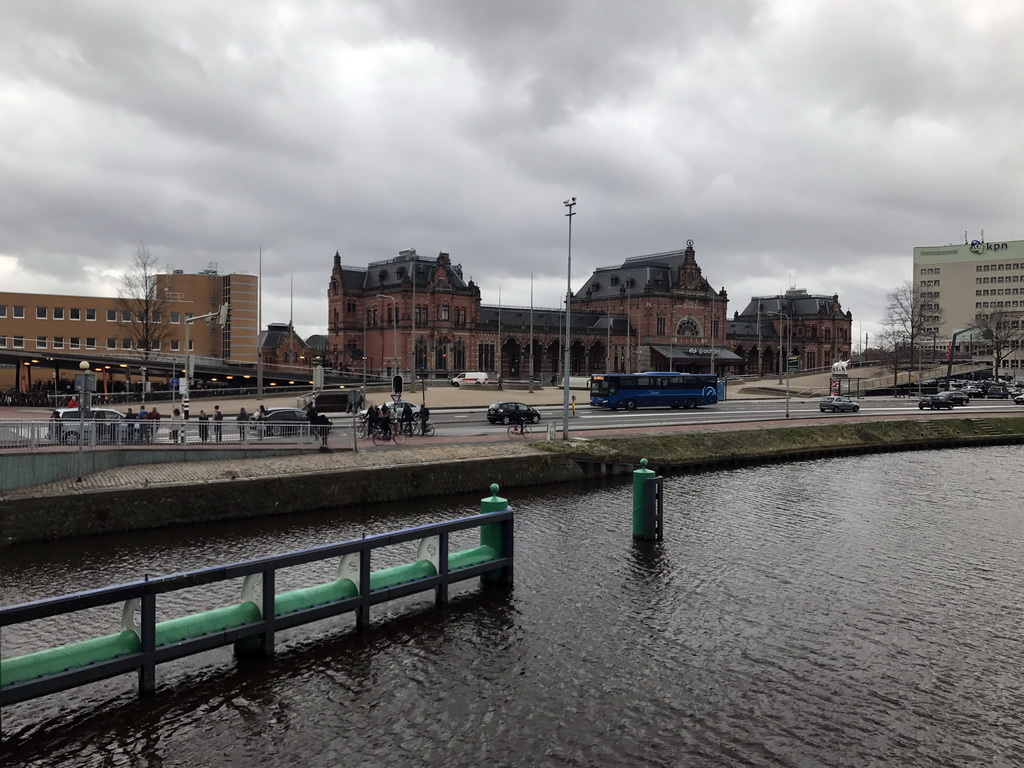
848 611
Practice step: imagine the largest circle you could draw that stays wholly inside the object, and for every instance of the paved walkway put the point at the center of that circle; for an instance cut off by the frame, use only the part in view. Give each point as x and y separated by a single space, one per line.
226 470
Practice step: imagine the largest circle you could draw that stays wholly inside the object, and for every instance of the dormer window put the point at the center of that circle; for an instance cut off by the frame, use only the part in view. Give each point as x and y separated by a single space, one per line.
614 280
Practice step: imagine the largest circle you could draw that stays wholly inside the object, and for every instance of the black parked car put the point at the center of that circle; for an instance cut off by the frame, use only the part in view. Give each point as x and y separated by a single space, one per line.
956 397
504 413
935 402
997 391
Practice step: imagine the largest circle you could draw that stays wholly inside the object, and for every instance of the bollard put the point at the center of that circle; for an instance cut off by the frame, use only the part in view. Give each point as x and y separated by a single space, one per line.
640 476
493 535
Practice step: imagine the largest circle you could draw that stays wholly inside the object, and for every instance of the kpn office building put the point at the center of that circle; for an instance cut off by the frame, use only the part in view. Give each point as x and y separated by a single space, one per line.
965 280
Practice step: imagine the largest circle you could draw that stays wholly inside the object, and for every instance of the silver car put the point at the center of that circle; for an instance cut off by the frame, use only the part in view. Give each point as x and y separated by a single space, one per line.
837 403
101 425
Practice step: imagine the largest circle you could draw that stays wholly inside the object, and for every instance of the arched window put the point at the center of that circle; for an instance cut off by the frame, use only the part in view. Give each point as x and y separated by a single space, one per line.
688 327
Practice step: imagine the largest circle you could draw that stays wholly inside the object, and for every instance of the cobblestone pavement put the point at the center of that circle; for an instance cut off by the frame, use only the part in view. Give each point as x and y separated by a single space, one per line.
225 470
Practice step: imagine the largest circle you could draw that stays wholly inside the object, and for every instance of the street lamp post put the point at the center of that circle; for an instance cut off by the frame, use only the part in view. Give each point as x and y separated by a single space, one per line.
222 317
394 317
789 351
83 388
570 204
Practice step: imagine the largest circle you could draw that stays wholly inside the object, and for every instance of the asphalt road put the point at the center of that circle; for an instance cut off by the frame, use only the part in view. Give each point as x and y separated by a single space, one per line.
473 422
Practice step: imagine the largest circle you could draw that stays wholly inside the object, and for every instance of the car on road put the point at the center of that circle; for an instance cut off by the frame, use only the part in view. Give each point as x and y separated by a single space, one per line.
1019 399
997 391
285 422
956 397
972 390
837 403
505 412
104 425
935 402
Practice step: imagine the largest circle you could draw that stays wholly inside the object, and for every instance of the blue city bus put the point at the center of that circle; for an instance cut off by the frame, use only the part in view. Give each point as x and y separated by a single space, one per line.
653 390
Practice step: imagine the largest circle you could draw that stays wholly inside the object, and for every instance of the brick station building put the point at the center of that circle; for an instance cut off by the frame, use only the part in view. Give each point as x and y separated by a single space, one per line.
652 312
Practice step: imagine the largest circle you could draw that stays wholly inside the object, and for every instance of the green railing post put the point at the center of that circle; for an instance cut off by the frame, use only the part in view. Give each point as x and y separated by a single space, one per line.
639 506
492 535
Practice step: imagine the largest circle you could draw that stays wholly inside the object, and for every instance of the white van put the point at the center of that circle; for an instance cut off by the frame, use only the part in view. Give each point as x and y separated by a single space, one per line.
471 377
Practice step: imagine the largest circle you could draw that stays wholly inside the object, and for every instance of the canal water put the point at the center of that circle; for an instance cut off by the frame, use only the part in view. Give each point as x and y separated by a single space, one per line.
843 612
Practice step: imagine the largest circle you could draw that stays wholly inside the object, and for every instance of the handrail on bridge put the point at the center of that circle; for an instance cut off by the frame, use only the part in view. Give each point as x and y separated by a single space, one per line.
251 624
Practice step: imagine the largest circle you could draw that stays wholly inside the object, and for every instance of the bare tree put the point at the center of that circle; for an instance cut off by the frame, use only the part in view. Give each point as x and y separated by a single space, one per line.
893 352
139 297
1002 331
910 315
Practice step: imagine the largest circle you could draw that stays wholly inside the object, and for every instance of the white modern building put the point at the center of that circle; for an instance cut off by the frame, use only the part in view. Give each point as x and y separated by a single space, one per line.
965 279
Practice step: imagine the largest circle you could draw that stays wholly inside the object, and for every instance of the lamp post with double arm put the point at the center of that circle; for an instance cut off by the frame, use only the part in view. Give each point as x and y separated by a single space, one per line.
570 204
394 317
789 350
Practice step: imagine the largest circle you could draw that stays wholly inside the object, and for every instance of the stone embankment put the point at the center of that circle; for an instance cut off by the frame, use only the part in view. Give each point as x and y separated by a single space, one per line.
133 498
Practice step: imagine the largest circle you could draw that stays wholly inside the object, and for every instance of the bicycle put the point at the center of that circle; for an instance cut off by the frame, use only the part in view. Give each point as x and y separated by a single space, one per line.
395 436
519 430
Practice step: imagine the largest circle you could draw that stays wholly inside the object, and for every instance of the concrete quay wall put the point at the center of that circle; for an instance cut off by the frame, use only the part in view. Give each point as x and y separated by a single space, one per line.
42 517
26 469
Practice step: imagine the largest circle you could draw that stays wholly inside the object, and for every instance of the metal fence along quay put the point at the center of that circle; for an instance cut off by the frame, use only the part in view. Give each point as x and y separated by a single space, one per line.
250 623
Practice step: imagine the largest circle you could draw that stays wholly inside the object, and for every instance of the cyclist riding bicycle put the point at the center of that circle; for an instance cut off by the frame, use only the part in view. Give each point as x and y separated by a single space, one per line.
517 418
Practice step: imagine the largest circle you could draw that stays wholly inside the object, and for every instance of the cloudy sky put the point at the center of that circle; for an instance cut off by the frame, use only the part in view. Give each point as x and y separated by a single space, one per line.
796 142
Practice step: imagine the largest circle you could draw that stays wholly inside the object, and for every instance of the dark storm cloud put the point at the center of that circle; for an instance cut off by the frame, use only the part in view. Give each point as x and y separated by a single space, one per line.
798 141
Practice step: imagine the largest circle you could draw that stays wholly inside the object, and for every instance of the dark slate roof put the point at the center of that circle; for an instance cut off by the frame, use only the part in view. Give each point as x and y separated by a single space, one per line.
548 320
634 275
352 279
795 302
747 328
389 274
274 335
317 342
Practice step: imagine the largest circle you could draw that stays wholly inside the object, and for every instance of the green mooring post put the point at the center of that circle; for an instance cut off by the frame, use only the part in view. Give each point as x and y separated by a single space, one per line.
639 507
492 535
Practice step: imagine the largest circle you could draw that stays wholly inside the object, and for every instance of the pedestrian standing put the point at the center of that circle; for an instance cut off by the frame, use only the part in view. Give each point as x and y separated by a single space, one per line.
218 417
55 431
176 426
143 419
204 426
242 419
131 433
261 418
154 424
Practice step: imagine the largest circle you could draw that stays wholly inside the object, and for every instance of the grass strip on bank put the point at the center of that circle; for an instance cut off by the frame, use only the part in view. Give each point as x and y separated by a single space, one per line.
683 448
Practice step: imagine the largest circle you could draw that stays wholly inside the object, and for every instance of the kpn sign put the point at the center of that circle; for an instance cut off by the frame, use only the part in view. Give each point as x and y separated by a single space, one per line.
980 246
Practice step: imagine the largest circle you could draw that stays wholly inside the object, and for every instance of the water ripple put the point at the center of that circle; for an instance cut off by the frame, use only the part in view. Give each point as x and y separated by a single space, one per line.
842 612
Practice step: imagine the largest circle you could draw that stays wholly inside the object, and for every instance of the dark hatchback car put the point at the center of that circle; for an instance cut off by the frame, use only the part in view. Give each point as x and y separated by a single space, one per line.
282 422
505 412
956 397
935 402
997 391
